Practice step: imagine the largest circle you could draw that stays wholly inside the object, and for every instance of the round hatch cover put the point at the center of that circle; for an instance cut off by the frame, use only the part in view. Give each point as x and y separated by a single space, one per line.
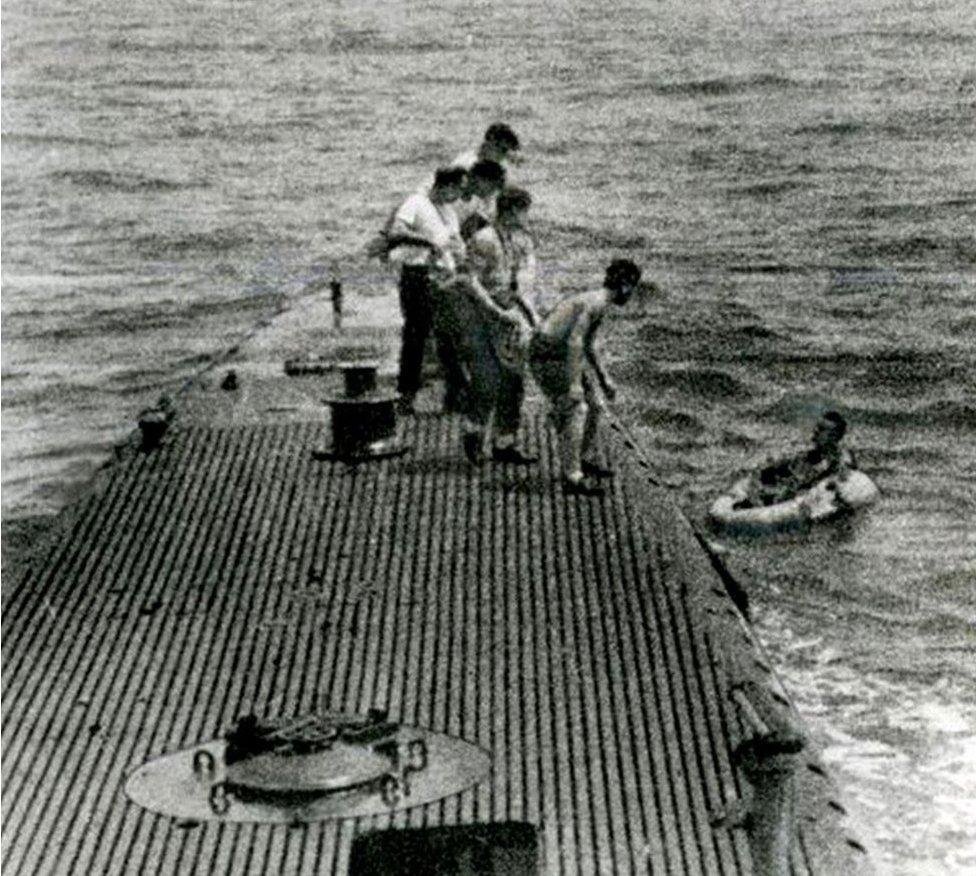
308 768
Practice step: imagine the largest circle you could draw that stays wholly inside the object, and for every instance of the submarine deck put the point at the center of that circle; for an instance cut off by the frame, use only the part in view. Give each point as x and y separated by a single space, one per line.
588 644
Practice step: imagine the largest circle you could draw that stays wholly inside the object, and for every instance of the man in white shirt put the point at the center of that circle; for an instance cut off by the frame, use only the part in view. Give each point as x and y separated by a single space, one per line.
424 238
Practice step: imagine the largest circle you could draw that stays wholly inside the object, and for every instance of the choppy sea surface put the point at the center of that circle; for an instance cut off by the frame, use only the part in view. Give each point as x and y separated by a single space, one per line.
800 180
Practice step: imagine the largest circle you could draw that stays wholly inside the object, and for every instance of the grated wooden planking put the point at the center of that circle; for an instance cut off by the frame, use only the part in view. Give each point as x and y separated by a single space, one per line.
588 644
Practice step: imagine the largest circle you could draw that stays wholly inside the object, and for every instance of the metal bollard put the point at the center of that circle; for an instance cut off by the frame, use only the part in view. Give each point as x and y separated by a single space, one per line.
769 765
336 287
768 760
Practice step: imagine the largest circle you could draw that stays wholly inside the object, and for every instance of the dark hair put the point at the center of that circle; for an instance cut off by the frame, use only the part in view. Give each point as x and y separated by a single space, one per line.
449 176
620 273
836 419
512 199
489 171
502 136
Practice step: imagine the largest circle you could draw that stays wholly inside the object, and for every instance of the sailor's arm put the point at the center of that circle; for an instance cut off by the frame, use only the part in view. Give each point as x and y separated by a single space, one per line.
525 277
407 229
477 291
593 357
527 308
484 256
608 386
523 282
402 229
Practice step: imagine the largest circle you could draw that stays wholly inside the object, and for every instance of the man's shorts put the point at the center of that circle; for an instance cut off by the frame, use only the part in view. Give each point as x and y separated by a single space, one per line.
512 344
565 393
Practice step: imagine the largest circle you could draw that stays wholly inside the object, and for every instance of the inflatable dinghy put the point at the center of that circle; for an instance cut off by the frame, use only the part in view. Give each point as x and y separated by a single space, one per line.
826 499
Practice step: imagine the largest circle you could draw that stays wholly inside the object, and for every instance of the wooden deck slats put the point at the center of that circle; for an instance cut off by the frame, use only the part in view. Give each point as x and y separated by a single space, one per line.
60 740
229 572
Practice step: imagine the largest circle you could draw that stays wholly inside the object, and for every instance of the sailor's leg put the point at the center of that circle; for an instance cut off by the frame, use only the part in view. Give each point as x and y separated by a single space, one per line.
416 308
592 416
590 465
571 418
449 336
481 391
456 380
511 395
508 415
569 412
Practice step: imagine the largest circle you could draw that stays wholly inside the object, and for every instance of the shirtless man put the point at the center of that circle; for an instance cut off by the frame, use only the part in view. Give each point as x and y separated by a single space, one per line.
502 254
562 358
501 257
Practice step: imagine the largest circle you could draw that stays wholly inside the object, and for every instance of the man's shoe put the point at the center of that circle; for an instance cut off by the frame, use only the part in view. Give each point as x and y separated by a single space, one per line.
511 455
581 488
472 448
596 471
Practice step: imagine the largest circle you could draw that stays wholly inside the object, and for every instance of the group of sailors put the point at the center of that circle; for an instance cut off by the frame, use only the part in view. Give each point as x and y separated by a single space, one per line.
467 276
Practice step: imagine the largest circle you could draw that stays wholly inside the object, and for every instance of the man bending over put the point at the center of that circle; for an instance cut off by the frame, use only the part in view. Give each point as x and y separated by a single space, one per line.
564 360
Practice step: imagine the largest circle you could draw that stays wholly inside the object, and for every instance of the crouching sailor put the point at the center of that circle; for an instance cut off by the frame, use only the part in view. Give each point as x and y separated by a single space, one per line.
564 361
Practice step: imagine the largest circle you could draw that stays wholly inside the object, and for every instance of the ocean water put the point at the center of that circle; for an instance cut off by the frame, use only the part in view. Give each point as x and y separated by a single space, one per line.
799 179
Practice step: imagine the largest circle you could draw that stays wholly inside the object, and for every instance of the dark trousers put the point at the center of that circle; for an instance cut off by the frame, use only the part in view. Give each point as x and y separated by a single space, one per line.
449 324
511 394
493 387
415 305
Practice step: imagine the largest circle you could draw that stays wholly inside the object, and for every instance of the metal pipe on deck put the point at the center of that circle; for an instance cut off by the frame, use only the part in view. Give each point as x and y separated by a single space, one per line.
335 287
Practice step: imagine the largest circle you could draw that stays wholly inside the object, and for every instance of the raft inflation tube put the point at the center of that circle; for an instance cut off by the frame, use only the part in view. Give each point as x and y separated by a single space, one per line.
828 498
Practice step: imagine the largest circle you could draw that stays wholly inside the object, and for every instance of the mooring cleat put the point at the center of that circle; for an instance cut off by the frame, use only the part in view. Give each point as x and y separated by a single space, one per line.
594 470
472 448
511 455
405 406
582 488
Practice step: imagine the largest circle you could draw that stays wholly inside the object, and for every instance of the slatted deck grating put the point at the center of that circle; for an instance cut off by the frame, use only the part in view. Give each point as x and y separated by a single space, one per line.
585 643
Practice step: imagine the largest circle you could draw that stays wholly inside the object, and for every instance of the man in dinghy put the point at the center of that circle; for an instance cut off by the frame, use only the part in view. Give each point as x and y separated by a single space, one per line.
564 361
780 481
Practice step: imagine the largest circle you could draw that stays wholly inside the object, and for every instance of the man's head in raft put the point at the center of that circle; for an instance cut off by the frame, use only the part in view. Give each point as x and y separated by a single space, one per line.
621 279
829 432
